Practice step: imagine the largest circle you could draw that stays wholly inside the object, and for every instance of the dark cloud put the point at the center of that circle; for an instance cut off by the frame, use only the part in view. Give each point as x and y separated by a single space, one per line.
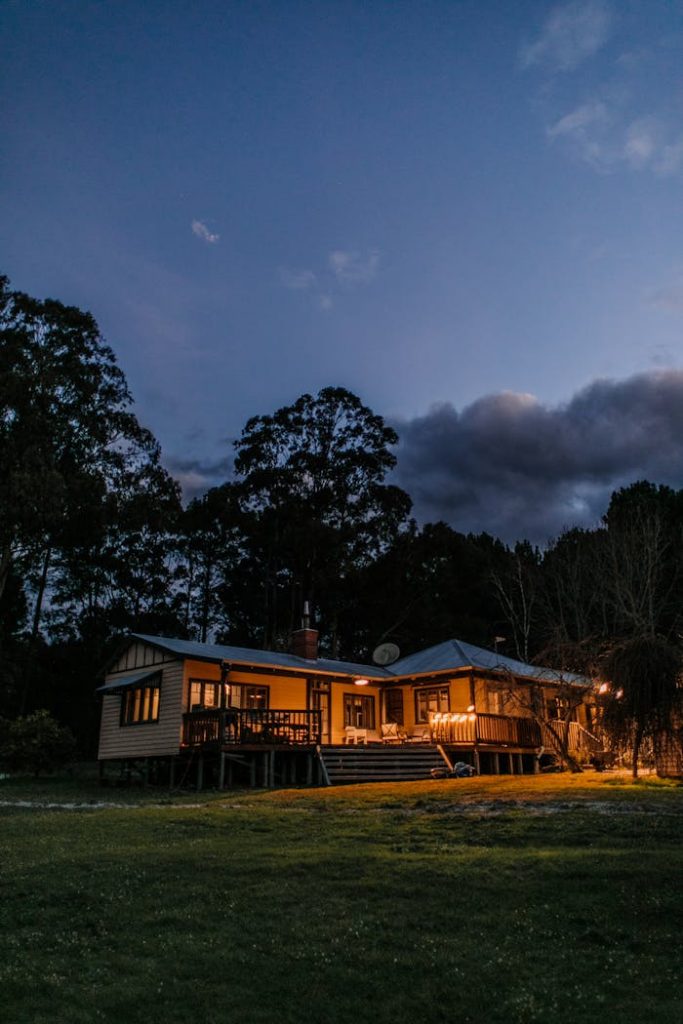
196 476
517 468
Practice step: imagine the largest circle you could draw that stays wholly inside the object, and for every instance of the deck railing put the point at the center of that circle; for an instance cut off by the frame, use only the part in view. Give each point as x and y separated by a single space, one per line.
468 727
579 740
217 726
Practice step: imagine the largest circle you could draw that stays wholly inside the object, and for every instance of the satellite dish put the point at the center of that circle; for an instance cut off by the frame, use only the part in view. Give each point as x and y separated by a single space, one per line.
385 654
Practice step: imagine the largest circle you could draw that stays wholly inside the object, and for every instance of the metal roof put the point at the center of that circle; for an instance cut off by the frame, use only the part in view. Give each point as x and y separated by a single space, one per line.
272 659
456 654
451 655
123 682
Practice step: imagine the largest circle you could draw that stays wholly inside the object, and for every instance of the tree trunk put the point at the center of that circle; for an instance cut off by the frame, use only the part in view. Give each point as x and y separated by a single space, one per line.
637 740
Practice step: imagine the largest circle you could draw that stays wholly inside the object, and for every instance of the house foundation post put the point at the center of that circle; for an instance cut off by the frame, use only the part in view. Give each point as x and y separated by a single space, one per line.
200 772
496 764
221 772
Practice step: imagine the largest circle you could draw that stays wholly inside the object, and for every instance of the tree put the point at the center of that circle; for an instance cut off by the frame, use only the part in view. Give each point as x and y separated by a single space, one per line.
517 590
210 546
64 405
641 699
82 491
312 478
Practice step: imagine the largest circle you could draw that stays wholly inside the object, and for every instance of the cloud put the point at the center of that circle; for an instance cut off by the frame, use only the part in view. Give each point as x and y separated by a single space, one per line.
514 467
297 280
196 476
571 34
200 229
351 267
578 121
607 139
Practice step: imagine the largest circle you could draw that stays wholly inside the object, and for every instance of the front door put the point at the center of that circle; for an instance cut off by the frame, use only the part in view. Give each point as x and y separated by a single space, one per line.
319 700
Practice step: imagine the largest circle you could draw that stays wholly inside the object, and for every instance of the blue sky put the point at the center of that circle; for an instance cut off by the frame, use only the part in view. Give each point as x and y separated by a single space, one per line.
453 209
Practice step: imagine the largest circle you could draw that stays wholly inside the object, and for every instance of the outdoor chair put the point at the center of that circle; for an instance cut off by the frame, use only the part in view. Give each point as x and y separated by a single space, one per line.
354 735
421 734
391 733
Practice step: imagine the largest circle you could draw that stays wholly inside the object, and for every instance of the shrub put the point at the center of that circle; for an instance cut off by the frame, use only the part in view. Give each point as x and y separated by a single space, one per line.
36 743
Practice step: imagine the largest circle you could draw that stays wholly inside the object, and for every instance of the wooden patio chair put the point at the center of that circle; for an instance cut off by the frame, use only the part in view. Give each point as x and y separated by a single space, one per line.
354 735
391 733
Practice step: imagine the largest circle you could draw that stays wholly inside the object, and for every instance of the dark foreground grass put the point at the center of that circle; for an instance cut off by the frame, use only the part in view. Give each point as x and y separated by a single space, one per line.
481 900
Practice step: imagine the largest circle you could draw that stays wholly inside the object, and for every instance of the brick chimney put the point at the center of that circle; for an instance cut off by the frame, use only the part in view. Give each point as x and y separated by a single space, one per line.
304 643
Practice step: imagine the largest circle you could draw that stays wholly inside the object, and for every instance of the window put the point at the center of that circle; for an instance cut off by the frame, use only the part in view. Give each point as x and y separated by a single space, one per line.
394 706
495 699
206 693
140 704
359 710
428 701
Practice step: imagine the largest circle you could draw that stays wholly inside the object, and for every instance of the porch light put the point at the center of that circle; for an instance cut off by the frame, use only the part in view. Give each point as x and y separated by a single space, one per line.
470 707
603 688
361 682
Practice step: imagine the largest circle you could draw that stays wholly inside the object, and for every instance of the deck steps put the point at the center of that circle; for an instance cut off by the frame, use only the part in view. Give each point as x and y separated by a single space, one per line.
346 764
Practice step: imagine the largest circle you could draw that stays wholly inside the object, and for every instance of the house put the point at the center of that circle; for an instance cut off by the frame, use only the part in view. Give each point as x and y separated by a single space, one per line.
219 714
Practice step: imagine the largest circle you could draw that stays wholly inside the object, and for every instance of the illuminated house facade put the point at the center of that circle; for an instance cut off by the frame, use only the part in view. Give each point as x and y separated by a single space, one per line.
228 713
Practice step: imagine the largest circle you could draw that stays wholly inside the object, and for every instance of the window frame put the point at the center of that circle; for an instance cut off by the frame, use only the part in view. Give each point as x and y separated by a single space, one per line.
135 700
365 701
421 695
248 692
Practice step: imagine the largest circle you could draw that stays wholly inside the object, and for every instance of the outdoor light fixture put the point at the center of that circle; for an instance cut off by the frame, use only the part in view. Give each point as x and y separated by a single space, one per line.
603 688
361 682
470 707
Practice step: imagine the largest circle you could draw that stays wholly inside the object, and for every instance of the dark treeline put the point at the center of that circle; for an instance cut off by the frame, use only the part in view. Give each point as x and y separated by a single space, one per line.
95 542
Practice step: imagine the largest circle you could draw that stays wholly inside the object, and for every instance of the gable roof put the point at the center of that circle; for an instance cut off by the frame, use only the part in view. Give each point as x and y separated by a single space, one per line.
451 655
271 659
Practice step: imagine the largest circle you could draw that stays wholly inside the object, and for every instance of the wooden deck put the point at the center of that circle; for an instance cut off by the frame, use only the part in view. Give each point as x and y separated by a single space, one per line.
251 727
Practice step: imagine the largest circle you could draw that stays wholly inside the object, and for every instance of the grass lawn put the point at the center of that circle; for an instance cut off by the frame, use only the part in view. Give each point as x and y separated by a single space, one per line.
481 900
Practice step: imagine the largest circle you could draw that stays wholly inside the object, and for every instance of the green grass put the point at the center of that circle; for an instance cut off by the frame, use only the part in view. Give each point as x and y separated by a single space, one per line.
484 900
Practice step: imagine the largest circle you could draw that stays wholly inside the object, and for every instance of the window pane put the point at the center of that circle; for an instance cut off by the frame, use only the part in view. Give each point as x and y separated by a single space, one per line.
155 703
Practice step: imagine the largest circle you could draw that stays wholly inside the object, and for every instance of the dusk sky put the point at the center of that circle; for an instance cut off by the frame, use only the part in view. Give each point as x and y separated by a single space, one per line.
468 213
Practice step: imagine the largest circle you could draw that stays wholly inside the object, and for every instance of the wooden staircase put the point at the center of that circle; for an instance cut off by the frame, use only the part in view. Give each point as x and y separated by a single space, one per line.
395 763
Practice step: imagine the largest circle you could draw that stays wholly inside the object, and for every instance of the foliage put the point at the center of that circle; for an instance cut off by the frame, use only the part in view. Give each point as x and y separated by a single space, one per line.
36 743
641 704
312 484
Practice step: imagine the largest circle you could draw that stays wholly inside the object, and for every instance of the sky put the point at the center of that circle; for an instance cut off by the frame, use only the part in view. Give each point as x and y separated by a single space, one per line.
468 213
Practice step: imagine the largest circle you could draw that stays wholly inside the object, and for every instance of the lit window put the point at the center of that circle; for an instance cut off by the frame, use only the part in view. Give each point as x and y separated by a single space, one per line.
140 704
429 701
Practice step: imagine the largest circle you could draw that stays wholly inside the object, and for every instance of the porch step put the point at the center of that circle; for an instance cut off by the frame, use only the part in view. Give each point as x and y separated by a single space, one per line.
379 764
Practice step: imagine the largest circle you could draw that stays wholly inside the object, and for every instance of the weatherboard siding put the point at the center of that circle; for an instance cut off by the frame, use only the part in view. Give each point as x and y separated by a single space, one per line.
151 739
